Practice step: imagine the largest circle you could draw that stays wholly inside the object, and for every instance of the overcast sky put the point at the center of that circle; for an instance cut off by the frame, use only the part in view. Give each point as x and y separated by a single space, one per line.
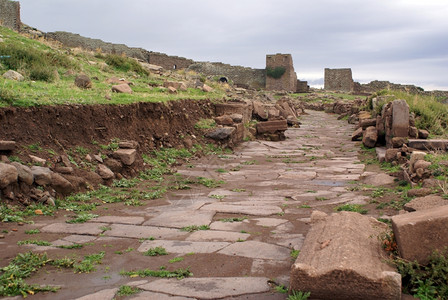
402 41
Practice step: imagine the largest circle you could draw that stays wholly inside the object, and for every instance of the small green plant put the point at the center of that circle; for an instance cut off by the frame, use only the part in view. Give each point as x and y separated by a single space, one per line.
89 262
34 242
205 124
294 254
209 182
193 228
105 228
352 207
179 273
238 190
281 289
235 219
321 198
73 246
81 150
133 202
299 295
32 231
176 259
156 251
126 290
219 197
82 217
249 162
222 170
34 147
125 183
305 206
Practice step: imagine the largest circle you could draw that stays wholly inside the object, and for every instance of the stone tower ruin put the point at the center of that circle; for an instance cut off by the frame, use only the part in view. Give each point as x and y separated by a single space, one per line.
339 80
10 14
280 74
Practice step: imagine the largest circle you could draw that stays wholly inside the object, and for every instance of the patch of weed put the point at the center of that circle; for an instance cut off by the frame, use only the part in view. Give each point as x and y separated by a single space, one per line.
156 251
34 242
294 254
235 219
126 290
205 124
73 246
32 231
352 207
210 182
176 259
88 264
299 295
179 273
193 228
82 217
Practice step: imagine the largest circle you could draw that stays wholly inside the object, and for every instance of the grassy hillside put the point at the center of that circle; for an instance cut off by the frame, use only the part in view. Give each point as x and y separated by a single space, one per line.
50 71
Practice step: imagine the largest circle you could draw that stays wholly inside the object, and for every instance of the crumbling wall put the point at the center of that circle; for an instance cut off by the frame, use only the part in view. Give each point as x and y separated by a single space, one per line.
241 76
339 80
10 14
288 81
302 87
169 62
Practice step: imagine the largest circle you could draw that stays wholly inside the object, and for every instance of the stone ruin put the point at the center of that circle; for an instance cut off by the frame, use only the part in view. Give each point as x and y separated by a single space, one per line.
339 80
288 80
10 14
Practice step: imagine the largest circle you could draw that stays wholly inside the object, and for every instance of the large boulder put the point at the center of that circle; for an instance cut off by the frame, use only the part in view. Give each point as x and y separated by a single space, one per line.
122 88
60 184
420 233
342 258
13 75
370 136
24 172
42 175
83 82
8 175
221 133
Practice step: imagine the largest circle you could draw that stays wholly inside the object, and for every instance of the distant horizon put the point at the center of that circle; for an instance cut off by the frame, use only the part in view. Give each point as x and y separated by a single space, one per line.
403 41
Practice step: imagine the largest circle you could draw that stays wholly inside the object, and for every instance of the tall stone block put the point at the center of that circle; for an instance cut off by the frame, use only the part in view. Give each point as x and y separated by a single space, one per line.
288 81
339 80
10 14
420 233
400 118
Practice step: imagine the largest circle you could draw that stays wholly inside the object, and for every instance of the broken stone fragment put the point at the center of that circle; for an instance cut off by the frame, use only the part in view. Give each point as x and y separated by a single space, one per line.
428 144
127 156
370 137
105 172
24 172
128 145
342 258
422 203
272 126
224 120
221 133
7 145
357 134
423 134
206 88
42 175
60 184
122 88
420 233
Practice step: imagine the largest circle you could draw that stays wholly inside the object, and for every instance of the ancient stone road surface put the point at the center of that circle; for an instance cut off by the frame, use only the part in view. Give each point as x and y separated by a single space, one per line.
271 186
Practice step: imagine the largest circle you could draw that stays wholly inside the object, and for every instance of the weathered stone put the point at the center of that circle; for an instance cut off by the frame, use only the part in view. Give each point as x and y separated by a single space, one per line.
178 219
255 249
342 259
37 160
134 231
423 134
428 144
127 156
413 132
221 133
83 82
172 90
176 85
105 172
357 134
24 173
64 170
415 156
184 247
421 164
113 164
225 120
367 123
380 154
108 294
210 287
206 88
398 142
8 175
391 154
60 184
65 160
379 179
260 110
400 118
128 145
122 88
419 192
98 158
423 203
370 137
82 229
13 75
218 236
7 145
237 118
272 126
116 80
42 175
421 233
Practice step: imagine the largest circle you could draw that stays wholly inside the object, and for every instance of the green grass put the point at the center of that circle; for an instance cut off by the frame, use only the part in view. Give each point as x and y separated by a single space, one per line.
88 264
210 182
299 295
32 231
294 254
156 251
359 208
205 124
193 228
82 217
176 259
126 290
179 273
235 219
34 242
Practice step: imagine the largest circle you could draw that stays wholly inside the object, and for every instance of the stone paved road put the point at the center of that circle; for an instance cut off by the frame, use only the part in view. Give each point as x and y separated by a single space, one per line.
272 186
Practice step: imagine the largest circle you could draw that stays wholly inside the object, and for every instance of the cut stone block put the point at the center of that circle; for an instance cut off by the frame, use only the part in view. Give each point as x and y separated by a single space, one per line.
127 156
400 118
342 259
7 145
272 126
420 233
428 144
422 203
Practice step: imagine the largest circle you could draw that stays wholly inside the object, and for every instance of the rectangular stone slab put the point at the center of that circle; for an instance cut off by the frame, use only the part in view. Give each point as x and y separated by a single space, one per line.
342 259
419 233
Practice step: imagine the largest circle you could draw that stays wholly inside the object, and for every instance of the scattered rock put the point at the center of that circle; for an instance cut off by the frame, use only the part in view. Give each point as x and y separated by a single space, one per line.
413 132
221 133
13 75
380 179
24 173
429 227
83 82
260 111
350 259
64 170
7 145
367 123
127 156
237 118
42 175
38 160
423 203
206 88
116 81
8 175
60 184
357 134
98 158
128 145
122 88
398 142
172 90
105 172
272 126
370 137
225 120
113 164
419 192
423 134
391 154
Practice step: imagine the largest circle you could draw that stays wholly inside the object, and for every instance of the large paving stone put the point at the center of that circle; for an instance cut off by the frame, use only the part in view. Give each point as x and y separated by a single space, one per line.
255 249
427 202
182 218
134 231
218 236
379 179
342 259
84 228
228 226
103 295
269 222
120 220
209 288
260 210
420 233
183 246
157 296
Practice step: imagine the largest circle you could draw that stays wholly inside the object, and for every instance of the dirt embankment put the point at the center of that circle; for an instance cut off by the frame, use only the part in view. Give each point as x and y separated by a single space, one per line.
62 127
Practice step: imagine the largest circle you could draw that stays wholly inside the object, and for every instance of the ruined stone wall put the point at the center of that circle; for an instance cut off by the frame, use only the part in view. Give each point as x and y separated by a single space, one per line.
288 81
10 14
169 62
240 76
339 80
302 87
